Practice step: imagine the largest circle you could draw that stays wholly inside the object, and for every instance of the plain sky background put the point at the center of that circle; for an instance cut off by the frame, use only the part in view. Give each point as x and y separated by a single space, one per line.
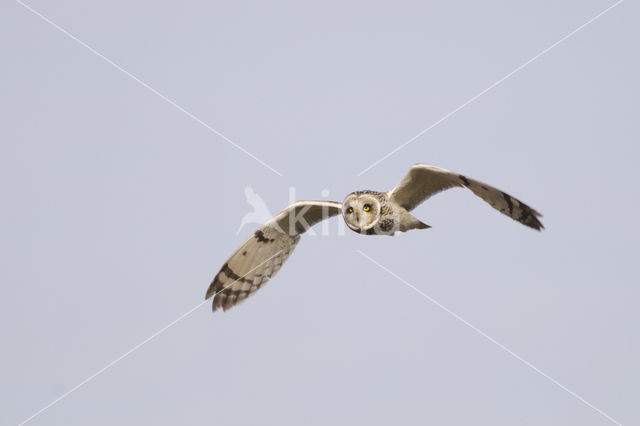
118 209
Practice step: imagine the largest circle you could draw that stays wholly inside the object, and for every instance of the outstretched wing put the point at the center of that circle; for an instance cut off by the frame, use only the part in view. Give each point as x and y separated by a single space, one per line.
422 181
262 255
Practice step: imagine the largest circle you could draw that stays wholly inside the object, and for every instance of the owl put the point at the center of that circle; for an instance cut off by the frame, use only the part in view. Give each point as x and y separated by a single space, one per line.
364 212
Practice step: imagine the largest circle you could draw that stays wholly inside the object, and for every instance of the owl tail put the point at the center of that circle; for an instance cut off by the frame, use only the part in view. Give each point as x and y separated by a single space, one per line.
422 225
412 222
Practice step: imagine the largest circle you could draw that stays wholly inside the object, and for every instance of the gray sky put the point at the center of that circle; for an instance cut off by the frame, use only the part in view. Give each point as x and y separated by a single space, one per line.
118 209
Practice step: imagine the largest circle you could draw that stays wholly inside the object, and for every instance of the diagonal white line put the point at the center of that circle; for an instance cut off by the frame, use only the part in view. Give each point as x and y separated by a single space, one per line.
490 87
111 364
135 348
142 83
491 339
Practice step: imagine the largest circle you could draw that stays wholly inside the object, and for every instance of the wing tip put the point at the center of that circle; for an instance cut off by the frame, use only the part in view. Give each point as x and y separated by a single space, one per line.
533 222
210 292
217 303
214 290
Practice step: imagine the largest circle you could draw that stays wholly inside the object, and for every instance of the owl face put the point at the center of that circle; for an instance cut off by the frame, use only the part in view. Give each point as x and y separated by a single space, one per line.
361 212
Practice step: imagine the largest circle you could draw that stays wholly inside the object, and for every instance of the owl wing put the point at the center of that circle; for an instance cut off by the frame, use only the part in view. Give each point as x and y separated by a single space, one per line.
423 181
262 255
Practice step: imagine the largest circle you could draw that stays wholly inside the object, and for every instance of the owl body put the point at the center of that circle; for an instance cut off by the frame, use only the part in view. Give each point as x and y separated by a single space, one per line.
376 213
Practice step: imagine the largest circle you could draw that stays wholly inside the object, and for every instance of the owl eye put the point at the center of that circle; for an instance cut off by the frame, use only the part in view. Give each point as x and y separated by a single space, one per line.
350 210
366 207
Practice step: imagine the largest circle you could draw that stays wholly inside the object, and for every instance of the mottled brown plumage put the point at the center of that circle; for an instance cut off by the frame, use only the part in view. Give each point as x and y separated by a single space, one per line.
365 212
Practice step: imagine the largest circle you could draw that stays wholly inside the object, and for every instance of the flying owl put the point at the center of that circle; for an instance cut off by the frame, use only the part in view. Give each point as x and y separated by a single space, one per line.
365 212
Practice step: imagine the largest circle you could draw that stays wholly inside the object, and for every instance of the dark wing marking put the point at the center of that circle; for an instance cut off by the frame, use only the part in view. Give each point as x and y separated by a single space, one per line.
262 255
423 181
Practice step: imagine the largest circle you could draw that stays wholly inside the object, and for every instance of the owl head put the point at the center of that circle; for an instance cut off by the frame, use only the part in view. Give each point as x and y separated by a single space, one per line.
361 211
